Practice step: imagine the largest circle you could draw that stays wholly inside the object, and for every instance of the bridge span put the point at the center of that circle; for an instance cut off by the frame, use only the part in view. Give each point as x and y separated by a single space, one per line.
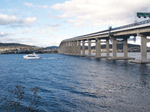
74 46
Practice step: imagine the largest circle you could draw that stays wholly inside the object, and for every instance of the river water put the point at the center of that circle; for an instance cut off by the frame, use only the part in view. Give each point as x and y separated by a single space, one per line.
77 84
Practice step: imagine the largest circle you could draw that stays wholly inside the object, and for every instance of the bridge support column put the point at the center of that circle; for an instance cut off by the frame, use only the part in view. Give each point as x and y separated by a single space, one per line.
60 49
83 48
71 48
98 48
107 48
89 47
66 52
79 48
143 48
75 48
67 47
63 48
144 41
125 49
114 48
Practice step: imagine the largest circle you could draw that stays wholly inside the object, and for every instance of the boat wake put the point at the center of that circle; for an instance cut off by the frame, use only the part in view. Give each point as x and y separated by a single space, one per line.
54 58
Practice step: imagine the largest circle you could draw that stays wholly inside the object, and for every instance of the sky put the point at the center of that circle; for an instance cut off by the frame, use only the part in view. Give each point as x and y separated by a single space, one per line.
45 23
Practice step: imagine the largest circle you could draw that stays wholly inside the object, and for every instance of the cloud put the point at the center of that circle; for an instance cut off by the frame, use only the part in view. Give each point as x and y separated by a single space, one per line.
30 19
37 6
2 34
6 19
25 31
2 10
28 4
54 25
46 30
53 16
101 12
44 6
48 12
14 21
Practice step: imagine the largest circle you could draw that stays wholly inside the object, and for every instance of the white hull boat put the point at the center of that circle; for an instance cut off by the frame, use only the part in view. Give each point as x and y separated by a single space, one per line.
31 56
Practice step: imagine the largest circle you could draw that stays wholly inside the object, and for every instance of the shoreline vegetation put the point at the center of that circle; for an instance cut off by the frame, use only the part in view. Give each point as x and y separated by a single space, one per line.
15 99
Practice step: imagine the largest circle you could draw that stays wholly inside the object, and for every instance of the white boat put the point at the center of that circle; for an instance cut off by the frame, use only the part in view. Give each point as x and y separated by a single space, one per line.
31 56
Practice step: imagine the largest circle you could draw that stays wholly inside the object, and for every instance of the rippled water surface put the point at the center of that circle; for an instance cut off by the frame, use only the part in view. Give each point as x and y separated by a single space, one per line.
68 83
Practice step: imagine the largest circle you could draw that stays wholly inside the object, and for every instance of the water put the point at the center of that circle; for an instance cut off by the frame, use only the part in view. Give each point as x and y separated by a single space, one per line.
68 83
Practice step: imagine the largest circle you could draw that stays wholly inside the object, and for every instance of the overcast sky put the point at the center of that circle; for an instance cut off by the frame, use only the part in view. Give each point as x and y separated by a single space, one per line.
47 22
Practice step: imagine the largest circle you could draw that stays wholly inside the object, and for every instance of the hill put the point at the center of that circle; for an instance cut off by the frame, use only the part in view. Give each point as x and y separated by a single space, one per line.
13 44
7 48
16 48
51 47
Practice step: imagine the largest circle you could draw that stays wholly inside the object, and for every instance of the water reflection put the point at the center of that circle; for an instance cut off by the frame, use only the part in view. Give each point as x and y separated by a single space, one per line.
143 79
144 71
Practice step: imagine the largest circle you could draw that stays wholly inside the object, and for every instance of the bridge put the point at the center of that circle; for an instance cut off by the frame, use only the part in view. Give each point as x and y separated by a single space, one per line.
74 46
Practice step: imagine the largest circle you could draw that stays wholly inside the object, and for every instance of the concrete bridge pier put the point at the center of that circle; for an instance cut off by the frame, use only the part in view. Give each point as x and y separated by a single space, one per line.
71 48
107 48
144 41
98 48
79 47
114 50
89 47
83 47
68 48
75 48
125 50
62 48
65 45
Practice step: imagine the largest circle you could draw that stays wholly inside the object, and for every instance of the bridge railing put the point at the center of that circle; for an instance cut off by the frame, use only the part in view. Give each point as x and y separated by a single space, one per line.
133 24
111 29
